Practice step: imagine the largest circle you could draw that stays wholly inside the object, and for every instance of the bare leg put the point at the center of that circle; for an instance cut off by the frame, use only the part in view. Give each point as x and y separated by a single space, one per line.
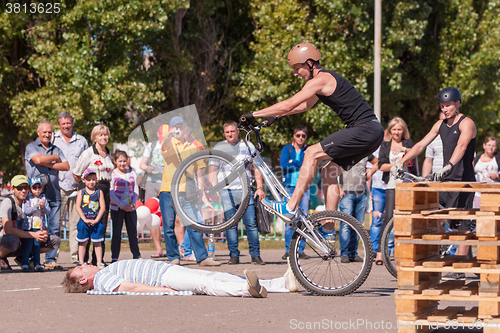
179 231
329 173
98 252
4 252
313 155
82 247
155 234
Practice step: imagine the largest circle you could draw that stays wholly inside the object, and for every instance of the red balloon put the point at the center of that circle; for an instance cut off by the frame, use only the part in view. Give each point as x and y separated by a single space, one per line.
138 204
161 218
153 204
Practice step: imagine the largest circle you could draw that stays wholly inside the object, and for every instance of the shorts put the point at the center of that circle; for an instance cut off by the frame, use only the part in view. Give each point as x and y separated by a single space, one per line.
458 200
94 232
350 145
10 242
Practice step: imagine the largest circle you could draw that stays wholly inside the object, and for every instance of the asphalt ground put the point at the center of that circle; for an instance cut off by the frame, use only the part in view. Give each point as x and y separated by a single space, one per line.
35 302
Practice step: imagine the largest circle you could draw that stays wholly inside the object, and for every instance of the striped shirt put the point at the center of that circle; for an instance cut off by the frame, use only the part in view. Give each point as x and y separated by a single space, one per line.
123 190
144 271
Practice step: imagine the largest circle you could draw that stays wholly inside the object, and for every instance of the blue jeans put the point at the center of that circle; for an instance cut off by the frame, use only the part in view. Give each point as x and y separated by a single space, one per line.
168 216
53 227
230 201
186 245
29 245
304 205
376 226
354 205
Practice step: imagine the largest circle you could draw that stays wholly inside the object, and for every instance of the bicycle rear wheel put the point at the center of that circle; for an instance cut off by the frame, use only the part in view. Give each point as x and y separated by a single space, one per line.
325 275
223 181
389 261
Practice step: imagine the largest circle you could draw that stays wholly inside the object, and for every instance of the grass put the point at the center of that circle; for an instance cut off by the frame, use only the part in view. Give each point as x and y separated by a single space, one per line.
146 245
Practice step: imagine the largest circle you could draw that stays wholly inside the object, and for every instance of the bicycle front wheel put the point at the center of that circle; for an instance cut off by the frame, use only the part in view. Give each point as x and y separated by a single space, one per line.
210 191
387 250
327 275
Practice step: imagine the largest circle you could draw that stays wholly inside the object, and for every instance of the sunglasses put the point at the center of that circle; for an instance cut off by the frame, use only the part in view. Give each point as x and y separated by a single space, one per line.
22 188
37 187
301 136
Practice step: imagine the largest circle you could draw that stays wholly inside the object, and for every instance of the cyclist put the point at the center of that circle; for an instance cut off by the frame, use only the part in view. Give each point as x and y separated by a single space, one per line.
361 137
458 134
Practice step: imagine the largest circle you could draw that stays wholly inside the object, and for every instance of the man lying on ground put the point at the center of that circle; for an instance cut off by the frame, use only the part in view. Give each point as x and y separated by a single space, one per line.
144 275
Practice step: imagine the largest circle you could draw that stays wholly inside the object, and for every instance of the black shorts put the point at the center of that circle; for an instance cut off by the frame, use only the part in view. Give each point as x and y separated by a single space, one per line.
350 145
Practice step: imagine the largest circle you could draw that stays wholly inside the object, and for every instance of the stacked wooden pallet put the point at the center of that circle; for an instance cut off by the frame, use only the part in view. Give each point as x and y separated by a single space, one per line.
419 235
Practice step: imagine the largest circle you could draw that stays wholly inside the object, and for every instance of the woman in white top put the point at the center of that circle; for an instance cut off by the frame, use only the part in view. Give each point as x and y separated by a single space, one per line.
390 153
97 157
486 166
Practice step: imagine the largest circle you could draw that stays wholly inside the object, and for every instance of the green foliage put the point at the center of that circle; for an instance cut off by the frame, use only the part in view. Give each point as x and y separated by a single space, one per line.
426 46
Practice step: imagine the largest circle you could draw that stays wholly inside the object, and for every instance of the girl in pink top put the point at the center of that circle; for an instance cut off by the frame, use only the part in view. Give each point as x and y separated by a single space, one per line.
123 194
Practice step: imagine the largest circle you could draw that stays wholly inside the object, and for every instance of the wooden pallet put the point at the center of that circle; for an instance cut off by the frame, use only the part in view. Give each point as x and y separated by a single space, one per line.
417 228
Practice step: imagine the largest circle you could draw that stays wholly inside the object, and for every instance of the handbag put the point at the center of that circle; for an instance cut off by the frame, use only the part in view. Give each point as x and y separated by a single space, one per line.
262 218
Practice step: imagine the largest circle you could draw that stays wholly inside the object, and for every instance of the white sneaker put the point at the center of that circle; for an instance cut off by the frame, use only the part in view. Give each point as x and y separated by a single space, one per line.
291 282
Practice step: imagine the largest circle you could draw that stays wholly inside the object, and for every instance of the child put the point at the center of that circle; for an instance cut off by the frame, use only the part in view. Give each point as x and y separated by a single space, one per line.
35 210
123 194
90 206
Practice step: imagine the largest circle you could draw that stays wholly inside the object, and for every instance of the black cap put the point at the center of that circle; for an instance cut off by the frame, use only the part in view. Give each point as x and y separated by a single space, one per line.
449 94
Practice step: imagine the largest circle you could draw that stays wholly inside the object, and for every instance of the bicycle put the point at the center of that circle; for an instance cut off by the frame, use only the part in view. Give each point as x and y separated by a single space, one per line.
214 176
387 233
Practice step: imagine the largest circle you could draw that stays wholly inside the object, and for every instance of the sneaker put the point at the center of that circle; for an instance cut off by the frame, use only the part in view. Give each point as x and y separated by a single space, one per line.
356 259
278 208
302 255
258 261
190 258
176 262
25 268
78 264
52 266
4 264
74 259
286 255
254 287
39 268
330 235
453 276
291 282
100 265
344 259
114 260
233 261
209 262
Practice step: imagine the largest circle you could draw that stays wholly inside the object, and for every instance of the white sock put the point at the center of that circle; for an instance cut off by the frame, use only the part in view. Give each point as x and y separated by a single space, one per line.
290 210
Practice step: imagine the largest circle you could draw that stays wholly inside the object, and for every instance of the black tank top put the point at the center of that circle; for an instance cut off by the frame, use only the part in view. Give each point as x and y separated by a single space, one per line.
347 102
463 170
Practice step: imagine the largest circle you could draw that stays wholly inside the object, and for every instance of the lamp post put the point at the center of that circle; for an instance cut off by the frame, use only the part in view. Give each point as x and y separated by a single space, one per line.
378 47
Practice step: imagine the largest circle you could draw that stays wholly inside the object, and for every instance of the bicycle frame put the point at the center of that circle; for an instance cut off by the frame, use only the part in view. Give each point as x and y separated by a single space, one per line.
279 192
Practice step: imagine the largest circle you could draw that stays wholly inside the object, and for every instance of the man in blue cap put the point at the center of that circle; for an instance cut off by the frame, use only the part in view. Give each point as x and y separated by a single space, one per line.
174 150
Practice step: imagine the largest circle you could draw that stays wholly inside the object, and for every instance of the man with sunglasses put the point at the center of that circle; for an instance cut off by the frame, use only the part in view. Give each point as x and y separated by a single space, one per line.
291 159
11 226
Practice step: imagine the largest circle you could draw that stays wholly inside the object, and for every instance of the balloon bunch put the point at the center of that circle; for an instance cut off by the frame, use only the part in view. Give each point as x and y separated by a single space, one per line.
148 214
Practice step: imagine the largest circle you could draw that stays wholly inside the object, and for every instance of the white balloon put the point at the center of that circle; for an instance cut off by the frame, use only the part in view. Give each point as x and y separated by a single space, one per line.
142 212
155 222
140 225
143 216
320 208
